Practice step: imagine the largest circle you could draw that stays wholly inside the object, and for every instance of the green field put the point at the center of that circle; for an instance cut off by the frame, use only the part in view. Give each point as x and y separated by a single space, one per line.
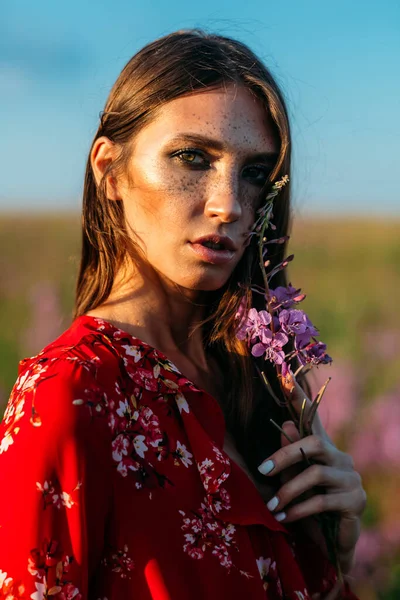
348 269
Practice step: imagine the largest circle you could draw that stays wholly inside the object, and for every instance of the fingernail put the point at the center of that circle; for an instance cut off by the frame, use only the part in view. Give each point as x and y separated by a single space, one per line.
266 467
280 516
287 423
273 503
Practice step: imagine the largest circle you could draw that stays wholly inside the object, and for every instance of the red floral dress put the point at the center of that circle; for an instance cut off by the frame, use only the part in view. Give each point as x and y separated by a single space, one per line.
114 486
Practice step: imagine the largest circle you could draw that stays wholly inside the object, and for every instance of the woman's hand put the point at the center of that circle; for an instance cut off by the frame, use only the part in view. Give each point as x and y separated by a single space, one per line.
334 472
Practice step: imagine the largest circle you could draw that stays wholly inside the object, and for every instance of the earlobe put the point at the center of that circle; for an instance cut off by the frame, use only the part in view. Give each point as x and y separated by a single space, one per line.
112 192
103 153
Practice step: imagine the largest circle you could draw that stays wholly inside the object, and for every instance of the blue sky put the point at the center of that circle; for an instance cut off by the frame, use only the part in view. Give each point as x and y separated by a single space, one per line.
337 62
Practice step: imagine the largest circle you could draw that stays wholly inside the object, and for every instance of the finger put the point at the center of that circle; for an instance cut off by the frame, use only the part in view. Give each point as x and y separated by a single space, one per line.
292 433
349 532
313 446
332 595
316 505
317 475
335 592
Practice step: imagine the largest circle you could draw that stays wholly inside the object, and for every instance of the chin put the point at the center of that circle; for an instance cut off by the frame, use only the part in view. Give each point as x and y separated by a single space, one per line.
206 284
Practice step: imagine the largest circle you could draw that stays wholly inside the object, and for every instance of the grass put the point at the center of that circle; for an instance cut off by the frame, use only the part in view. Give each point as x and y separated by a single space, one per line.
348 269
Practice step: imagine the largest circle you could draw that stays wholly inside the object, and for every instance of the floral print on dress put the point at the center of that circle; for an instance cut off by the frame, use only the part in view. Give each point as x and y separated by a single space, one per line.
26 382
54 496
119 562
94 398
139 438
137 432
212 473
204 532
183 454
128 412
49 565
10 589
181 402
268 573
304 595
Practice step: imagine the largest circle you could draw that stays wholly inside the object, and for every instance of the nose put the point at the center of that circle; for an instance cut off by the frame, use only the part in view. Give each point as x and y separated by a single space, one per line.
223 198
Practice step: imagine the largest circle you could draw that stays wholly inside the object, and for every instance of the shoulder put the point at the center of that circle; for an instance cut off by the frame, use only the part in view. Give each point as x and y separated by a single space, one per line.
63 388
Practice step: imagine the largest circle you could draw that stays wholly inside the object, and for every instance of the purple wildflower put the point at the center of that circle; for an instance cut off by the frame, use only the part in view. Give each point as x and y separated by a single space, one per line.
314 353
293 322
271 345
304 338
285 370
286 296
254 325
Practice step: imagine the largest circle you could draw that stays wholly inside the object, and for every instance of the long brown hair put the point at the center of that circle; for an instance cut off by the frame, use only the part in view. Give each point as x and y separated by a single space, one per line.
178 64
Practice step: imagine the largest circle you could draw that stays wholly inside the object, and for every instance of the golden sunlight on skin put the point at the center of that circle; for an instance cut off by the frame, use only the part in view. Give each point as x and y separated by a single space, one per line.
173 201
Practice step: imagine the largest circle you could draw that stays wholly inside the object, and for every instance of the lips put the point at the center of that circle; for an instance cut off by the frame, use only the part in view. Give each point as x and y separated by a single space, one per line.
214 249
216 242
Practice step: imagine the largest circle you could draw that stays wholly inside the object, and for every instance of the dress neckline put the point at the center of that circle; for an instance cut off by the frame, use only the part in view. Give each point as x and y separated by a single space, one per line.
158 354
237 515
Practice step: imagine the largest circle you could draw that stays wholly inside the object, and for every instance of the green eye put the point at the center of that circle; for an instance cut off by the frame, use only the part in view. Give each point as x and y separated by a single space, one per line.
188 156
191 156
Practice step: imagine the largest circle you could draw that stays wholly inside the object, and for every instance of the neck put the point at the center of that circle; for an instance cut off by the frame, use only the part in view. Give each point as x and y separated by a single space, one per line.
158 312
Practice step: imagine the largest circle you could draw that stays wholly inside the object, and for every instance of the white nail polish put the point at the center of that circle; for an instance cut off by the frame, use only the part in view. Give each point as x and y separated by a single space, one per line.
266 467
273 503
280 516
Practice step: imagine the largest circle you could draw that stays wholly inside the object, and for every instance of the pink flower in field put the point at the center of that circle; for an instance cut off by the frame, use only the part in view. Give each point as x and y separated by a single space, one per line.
372 560
375 551
383 344
363 449
378 440
369 546
46 317
391 534
338 407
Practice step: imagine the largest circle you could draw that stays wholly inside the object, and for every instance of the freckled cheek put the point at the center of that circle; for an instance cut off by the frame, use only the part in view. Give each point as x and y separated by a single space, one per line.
250 202
167 192
182 194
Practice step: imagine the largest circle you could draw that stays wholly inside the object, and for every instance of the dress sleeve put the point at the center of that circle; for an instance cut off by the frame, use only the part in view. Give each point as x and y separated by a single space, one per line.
55 479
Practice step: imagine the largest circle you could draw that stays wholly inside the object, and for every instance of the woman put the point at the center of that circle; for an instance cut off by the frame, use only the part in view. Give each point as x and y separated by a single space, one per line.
141 428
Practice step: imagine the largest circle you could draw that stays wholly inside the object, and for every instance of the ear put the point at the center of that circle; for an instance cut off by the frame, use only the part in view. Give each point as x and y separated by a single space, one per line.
103 153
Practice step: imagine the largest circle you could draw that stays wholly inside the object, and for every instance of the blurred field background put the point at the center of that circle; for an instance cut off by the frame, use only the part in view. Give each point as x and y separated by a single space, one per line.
349 269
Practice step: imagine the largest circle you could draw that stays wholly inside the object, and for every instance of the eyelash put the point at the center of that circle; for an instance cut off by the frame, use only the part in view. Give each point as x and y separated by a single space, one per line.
179 155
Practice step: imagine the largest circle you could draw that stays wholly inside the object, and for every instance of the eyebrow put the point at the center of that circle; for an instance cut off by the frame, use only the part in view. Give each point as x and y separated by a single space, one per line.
267 157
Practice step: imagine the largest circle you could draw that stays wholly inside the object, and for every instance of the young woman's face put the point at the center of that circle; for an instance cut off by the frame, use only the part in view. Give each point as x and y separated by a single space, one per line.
197 170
